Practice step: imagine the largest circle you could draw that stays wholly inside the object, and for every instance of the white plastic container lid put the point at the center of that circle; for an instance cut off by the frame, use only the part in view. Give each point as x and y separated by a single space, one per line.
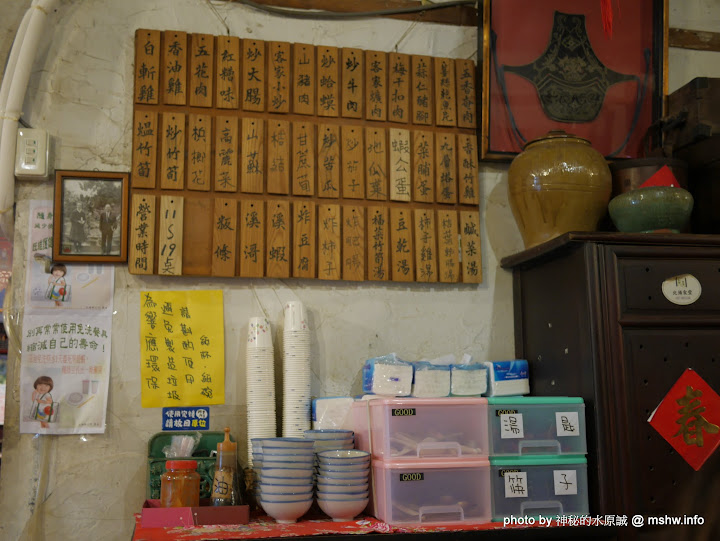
415 402
432 463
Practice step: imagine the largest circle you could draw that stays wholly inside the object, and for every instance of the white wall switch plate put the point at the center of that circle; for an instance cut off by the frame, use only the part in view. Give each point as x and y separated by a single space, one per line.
32 154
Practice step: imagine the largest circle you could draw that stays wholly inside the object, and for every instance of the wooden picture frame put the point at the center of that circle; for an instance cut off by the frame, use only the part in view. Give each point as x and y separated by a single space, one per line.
90 223
531 72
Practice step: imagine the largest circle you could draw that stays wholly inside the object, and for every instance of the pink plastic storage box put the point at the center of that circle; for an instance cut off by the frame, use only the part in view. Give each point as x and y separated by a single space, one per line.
412 428
432 491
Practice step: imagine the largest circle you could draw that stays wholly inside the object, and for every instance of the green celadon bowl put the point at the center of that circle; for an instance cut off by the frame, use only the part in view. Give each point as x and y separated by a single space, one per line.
650 209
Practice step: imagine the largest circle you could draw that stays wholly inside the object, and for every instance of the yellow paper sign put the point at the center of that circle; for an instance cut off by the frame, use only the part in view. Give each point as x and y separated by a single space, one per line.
182 348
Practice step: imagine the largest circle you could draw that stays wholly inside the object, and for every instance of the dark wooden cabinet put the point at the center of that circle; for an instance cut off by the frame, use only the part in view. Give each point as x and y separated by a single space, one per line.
592 320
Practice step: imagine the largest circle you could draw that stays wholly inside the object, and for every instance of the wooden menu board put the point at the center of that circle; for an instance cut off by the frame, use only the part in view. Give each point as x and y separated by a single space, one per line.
147 66
329 243
227 136
290 160
202 49
227 72
277 230
224 237
253 69
144 158
199 153
329 161
399 85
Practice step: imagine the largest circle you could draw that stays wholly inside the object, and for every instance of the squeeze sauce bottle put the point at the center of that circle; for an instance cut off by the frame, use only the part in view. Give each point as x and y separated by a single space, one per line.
225 490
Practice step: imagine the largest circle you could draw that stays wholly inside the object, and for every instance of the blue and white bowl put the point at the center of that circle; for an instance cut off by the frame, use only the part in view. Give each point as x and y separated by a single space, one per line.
301 460
342 510
327 445
268 488
285 497
328 434
267 479
343 468
286 512
361 479
343 457
295 473
342 496
291 443
269 451
329 488
344 473
256 445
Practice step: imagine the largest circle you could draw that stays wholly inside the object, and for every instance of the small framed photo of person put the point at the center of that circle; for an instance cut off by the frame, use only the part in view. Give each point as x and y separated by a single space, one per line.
91 215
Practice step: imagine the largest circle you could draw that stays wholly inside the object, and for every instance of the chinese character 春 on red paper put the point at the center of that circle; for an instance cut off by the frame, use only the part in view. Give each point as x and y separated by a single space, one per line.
688 418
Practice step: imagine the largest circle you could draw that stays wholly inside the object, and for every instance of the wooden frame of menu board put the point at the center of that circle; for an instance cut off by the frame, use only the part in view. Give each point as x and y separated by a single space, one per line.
274 159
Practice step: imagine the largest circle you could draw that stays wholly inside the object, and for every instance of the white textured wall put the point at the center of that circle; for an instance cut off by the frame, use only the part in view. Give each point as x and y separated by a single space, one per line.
686 64
74 487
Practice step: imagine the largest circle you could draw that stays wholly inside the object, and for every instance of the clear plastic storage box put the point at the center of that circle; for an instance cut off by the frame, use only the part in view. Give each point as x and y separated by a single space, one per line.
536 425
547 486
432 491
412 428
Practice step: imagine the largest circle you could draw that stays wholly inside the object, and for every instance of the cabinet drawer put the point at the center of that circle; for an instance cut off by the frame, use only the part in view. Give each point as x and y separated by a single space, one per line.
640 285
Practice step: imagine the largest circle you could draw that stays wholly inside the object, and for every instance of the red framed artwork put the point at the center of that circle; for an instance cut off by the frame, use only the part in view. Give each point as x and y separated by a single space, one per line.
550 65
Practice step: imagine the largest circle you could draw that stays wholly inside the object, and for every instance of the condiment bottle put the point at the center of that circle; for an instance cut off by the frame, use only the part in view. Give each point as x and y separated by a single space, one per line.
180 484
225 490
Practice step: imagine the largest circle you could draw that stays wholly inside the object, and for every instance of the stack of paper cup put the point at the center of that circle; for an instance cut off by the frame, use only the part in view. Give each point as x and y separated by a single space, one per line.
260 368
296 371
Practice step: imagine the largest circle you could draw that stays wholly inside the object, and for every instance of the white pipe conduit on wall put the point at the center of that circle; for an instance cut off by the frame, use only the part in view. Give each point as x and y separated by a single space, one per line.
10 66
17 76
12 96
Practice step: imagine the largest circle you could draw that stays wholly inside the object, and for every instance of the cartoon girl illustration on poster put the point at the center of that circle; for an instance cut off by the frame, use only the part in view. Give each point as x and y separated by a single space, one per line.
58 289
42 401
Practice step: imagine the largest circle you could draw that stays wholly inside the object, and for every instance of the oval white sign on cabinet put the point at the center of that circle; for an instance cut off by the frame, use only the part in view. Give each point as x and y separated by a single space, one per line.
682 289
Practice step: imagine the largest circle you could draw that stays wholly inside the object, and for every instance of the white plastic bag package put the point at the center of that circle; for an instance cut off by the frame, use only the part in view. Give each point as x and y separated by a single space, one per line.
332 412
431 381
387 375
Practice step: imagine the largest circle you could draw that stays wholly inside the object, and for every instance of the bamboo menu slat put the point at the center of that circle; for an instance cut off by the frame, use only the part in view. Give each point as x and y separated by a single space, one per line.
274 159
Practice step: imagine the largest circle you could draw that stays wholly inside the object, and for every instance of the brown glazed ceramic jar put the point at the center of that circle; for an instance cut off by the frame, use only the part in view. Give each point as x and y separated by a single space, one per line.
558 183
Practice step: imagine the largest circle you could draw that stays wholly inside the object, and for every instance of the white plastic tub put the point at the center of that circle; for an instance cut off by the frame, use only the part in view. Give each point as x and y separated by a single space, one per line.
413 428
432 491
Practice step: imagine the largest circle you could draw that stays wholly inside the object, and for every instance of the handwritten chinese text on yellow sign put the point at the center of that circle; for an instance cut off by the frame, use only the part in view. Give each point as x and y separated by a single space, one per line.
182 348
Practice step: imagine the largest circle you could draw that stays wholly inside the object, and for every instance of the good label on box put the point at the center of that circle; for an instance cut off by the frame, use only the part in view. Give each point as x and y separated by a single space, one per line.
418 476
403 412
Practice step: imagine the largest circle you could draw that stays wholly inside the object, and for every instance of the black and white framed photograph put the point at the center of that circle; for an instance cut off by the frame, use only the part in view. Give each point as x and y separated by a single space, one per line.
91 213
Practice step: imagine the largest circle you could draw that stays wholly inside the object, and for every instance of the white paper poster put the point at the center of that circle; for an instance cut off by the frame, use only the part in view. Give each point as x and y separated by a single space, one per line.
64 377
53 286
66 337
